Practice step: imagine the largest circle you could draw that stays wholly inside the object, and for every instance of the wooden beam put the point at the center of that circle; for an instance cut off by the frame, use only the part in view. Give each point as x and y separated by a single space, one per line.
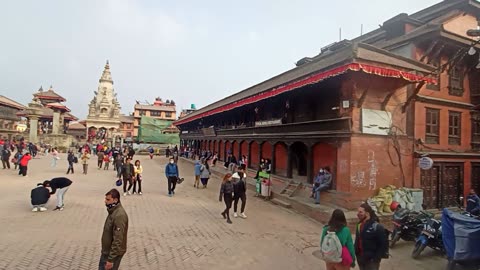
436 54
362 98
429 51
413 95
387 98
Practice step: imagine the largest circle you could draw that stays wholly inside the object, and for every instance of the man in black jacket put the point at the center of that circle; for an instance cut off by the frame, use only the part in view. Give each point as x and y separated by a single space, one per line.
370 240
6 157
39 198
60 183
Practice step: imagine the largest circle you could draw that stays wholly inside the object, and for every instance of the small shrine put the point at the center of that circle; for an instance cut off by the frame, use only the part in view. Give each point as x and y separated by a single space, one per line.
47 115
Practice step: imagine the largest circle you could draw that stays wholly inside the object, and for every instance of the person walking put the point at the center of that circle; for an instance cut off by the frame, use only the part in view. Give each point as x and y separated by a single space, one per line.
84 159
55 157
24 164
226 191
6 153
106 161
127 174
239 193
115 231
205 173
100 156
61 184
370 242
137 179
337 230
119 165
172 174
71 159
16 159
39 197
197 172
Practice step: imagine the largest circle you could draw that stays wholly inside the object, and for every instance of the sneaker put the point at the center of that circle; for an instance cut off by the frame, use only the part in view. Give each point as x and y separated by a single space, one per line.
169 195
229 221
129 193
139 193
243 215
173 192
223 215
56 208
35 209
235 215
61 208
124 194
43 209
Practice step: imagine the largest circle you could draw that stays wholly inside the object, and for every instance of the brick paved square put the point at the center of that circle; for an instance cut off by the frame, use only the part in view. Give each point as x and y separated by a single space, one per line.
183 232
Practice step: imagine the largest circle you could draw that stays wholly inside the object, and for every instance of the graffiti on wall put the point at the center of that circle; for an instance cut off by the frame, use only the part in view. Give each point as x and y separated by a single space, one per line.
372 179
359 178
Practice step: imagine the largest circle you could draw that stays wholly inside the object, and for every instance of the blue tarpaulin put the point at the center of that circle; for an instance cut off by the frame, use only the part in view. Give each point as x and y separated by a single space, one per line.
461 236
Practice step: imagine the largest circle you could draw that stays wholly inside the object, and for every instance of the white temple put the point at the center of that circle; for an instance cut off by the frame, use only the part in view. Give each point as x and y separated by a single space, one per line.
103 121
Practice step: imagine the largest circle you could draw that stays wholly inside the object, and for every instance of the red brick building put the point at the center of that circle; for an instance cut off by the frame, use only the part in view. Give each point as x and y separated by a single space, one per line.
368 108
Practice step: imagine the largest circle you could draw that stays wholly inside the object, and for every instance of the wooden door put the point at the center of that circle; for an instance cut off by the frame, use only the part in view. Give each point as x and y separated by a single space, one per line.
475 177
430 180
452 184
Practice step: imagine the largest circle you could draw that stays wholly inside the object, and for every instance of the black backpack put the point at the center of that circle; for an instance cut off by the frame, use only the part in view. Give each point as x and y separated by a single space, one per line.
386 244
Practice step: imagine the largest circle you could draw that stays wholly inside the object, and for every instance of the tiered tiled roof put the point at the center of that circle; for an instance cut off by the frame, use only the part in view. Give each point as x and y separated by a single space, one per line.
10 103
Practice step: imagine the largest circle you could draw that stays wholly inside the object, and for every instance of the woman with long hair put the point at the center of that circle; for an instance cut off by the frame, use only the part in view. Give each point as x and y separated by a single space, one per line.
338 225
226 191
138 177
205 173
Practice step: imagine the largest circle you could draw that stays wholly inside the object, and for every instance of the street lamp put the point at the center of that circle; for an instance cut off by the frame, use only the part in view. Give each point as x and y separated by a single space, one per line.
472 51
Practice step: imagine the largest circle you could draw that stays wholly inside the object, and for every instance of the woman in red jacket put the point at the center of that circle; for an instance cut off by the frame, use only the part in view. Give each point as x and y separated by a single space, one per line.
24 163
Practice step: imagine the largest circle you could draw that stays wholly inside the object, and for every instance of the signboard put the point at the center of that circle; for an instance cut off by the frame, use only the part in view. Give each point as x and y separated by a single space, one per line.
210 131
376 122
425 163
268 123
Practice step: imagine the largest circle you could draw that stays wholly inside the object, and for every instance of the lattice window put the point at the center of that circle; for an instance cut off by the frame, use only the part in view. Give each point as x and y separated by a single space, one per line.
432 126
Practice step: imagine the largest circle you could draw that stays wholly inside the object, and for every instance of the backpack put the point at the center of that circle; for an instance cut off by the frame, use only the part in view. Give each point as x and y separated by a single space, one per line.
386 244
75 160
331 248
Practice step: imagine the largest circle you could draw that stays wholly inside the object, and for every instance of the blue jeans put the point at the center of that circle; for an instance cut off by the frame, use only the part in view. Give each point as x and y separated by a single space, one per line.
103 261
317 193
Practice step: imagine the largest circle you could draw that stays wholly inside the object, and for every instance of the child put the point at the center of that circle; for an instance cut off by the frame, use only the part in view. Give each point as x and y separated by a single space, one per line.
106 160
24 164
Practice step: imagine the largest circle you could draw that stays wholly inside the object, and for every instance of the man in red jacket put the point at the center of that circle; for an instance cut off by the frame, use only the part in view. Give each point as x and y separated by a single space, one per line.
24 164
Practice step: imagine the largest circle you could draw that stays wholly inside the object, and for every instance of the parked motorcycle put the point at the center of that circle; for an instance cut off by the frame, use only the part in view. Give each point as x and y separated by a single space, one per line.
430 236
407 224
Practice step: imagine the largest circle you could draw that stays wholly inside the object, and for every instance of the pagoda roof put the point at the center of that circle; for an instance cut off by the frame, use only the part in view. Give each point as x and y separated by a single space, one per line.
49 94
76 126
59 106
48 113
11 103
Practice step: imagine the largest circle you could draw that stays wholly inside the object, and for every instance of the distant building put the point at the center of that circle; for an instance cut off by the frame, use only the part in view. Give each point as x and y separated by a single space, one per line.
159 110
185 112
78 130
103 121
126 127
9 120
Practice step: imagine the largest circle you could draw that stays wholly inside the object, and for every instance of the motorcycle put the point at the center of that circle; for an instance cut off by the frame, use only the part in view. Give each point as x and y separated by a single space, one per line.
407 224
430 236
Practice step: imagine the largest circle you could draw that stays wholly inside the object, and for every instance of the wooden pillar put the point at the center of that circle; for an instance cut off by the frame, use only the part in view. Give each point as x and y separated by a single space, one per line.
289 161
239 150
249 154
273 160
309 163
224 150
260 145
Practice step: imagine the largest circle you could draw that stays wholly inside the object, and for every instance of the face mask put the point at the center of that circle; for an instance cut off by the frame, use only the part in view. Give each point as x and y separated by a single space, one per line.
109 206
171 161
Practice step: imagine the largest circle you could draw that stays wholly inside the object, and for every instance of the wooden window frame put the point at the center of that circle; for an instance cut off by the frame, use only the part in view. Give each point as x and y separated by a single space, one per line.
455 81
475 122
156 113
454 128
432 128
168 114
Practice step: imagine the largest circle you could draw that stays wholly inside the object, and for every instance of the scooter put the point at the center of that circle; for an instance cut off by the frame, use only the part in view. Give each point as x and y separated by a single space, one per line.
407 224
430 236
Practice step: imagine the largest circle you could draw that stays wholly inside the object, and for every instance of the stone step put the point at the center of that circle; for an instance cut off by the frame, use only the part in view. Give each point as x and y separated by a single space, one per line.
281 203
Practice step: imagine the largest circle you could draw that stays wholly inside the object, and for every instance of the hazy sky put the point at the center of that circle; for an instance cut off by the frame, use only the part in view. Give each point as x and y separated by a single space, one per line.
189 51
